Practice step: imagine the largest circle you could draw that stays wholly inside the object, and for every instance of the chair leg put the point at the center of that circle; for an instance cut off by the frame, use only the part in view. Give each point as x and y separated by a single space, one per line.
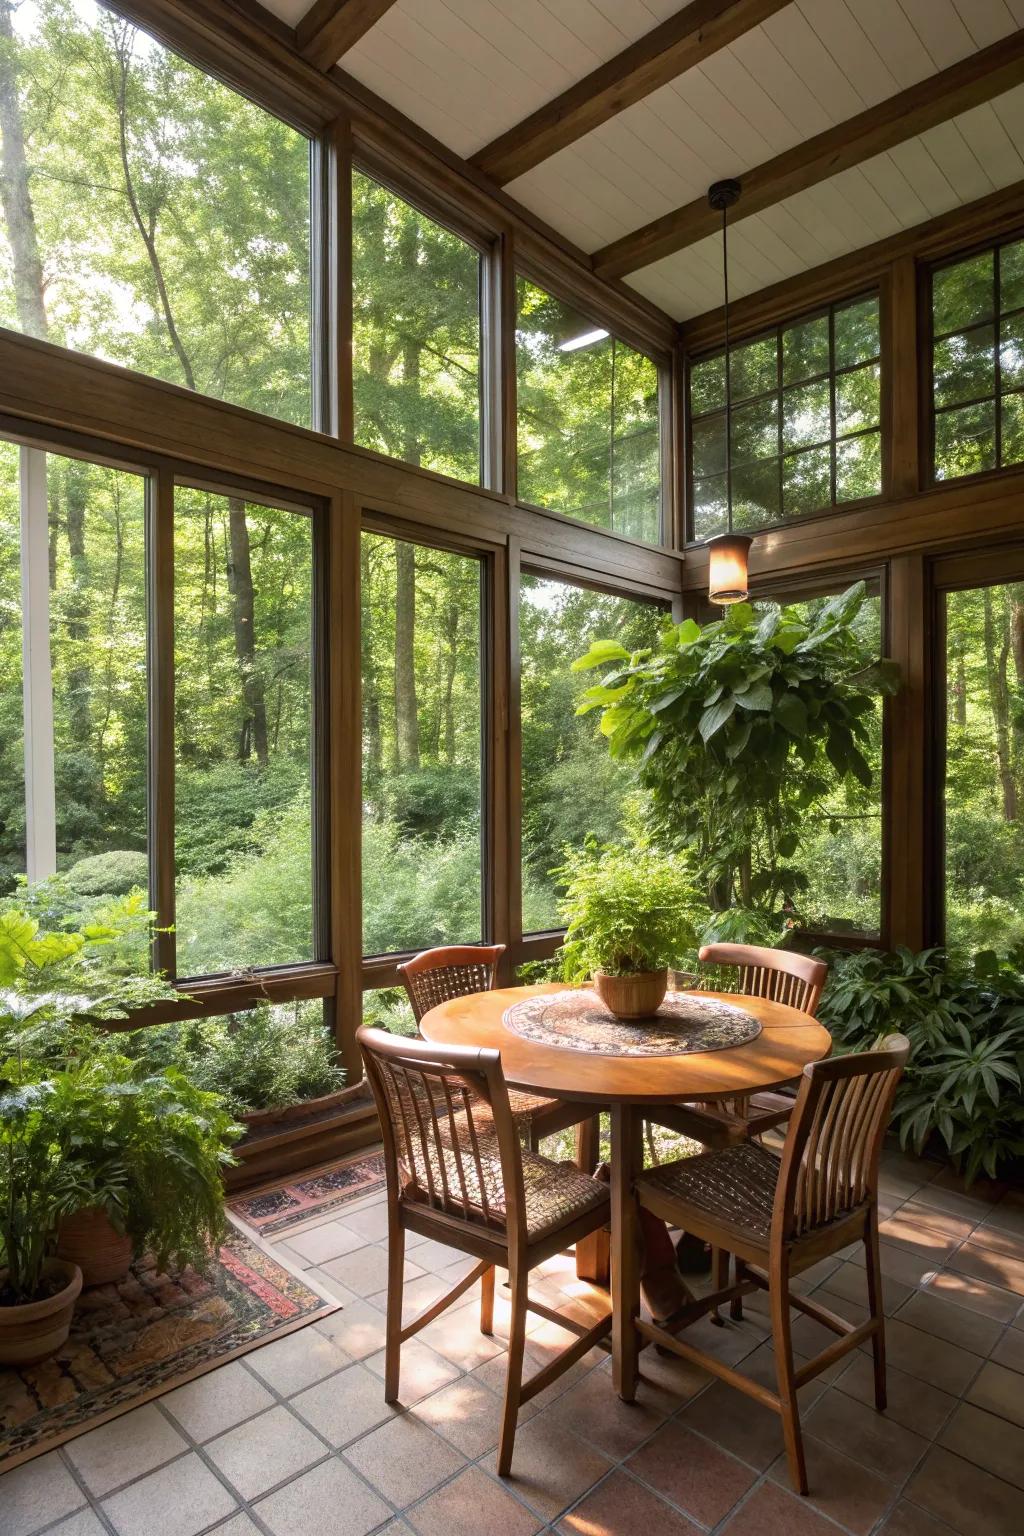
534 1136
719 1278
393 1335
736 1305
520 1279
873 1271
487 1301
782 1341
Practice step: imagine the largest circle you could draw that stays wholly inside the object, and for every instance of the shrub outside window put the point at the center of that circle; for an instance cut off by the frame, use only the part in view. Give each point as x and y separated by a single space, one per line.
806 421
978 362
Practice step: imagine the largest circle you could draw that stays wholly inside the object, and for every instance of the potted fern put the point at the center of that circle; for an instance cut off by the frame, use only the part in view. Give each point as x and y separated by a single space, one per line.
628 918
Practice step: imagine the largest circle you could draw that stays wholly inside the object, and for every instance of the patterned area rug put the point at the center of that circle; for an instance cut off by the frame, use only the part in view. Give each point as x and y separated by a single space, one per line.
579 1021
275 1210
136 1340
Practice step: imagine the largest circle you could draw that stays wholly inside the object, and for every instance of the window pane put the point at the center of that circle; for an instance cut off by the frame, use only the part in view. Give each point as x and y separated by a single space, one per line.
422 784
806 415
89 776
1011 352
805 350
710 507
571 786
416 335
806 481
162 220
1011 276
859 467
858 399
964 366
856 333
963 294
709 446
242 628
755 493
1012 425
984 846
707 385
588 419
754 368
755 430
841 854
965 441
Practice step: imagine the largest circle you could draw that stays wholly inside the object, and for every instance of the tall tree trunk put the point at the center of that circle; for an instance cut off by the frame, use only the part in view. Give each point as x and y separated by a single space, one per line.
76 606
407 724
960 691
15 191
371 688
996 659
253 735
451 623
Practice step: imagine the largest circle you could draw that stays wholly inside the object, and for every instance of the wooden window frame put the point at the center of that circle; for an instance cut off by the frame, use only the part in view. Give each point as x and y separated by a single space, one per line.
776 331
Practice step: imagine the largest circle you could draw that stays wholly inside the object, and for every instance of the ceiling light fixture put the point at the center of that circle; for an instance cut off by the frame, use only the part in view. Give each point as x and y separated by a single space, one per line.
587 339
727 552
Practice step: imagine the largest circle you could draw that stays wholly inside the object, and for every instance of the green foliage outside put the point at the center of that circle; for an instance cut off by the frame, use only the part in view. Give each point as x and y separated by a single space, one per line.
965 1023
625 910
739 729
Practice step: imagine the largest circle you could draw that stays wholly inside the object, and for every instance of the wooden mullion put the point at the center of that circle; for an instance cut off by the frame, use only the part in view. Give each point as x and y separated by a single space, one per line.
345 774
507 360
675 479
514 822
338 310
907 721
161 763
496 649
901 378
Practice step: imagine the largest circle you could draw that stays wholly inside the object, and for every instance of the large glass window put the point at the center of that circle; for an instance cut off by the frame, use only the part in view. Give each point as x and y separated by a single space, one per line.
806 412
422 782
243 582
978 362
571 785
984 768
840 854
73 703
416 335
588 419
150 215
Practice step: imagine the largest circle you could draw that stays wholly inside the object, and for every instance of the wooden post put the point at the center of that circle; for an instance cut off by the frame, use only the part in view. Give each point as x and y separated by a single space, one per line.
906 773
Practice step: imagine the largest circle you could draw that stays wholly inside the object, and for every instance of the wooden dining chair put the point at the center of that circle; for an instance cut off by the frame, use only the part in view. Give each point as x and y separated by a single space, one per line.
782 976
457 1172
457 970
778 1215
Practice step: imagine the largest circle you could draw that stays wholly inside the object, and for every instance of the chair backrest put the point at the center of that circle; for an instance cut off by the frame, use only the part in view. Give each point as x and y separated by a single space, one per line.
830 1159
450 1142
454 970
781 975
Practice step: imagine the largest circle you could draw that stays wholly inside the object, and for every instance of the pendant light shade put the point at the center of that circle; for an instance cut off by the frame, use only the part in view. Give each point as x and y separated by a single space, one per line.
727 553
727 567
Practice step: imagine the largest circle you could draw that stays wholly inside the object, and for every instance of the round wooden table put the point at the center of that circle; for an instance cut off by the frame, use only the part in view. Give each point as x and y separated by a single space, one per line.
631 1086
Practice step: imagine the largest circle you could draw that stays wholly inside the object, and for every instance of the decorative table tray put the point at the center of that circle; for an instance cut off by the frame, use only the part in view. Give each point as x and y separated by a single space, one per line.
579 1021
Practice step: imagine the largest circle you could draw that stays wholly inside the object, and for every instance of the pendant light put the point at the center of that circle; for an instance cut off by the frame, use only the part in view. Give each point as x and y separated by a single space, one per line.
727 552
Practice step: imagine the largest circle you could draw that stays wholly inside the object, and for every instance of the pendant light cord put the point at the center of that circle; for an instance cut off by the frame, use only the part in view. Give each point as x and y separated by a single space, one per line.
728 370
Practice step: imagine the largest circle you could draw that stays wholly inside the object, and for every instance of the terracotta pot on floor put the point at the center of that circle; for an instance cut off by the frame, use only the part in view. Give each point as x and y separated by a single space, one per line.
632 997
90 1240
36 1329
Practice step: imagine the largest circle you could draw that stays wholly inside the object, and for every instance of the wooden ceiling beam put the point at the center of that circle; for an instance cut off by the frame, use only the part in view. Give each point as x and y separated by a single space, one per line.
976 79
678 44
331 27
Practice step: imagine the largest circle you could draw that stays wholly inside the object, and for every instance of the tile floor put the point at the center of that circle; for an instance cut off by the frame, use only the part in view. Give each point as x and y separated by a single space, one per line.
296 1440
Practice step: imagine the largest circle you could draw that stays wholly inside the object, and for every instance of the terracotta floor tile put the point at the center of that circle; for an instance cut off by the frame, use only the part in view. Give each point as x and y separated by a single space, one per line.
969 1499
809 1337
999 1390
944 1320
872 1438
620 1506
948 1367
700 1477
772 1511
344 1406
422 1370
922 1238
958 1204
468 1414
417 1296
909 1520
984 1264
988 1191
365 1269
975 1295
328 1241
998 1240
987 1440
552 1468
906 1264
850 1282
1009 1213
404 1460
456 1335
914 1404
740 1425
358 1329
262 1452
594 1411
470 1504
954 1226
840 1487
1010 1350
293 1363
324 1501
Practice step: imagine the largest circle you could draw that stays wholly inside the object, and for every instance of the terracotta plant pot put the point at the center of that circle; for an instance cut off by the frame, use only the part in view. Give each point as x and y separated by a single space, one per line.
632 997
90 1240
35 1330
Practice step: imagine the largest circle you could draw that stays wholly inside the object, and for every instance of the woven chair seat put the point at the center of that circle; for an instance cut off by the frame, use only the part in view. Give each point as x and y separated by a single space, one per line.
525 1106
555 1193
735 1185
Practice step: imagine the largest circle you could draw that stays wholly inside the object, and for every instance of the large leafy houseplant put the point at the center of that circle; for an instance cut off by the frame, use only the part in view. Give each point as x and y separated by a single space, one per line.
738 728
965 1023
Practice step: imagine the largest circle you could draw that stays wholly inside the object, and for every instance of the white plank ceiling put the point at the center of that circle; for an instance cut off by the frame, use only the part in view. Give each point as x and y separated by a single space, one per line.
467 70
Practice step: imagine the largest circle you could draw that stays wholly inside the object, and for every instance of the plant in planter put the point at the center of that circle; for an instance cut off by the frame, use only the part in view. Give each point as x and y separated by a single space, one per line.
629 916
965 1023
738 729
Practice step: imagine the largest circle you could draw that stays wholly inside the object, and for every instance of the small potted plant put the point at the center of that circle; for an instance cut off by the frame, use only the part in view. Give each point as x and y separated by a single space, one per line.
628 916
